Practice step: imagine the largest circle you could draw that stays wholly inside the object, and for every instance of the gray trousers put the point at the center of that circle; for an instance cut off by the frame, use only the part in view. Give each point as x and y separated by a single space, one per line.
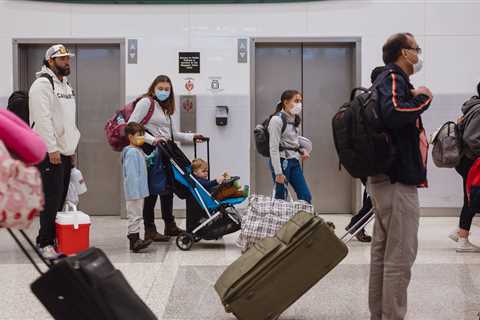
134 215
394 246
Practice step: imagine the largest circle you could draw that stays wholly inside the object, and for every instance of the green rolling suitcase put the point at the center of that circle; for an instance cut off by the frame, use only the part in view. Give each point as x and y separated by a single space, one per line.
275 272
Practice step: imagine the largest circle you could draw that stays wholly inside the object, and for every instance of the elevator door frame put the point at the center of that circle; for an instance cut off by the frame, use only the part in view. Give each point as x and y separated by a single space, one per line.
355 42
18 42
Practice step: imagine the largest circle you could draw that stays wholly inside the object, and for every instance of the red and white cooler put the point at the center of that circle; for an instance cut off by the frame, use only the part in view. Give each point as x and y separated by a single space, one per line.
73 231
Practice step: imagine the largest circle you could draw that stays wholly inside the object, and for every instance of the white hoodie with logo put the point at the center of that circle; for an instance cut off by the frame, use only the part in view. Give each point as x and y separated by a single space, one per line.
53 114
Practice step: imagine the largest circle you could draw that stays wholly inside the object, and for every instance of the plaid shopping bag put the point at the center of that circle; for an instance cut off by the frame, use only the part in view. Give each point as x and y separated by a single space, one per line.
265 216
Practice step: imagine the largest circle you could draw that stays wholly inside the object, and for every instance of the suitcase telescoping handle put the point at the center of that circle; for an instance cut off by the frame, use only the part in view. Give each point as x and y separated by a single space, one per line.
203 139
49 264
362 223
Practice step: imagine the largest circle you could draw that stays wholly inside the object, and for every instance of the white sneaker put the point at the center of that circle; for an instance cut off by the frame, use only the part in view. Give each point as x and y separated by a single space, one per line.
454 235
49 253
464 245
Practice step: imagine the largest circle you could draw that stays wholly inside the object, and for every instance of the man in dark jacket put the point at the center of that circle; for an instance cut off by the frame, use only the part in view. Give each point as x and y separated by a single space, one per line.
395 195
470 124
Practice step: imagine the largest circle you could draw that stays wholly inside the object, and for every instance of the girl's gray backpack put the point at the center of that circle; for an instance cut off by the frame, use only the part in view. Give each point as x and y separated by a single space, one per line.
447 146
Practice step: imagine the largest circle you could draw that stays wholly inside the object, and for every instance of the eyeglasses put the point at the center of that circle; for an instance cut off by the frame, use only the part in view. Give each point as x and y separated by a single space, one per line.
417 49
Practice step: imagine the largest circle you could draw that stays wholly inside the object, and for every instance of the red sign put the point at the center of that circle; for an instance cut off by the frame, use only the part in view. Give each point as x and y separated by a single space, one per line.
189 85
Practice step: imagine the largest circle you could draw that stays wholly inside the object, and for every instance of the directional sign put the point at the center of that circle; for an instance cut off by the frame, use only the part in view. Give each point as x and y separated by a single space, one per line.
132 51
242 50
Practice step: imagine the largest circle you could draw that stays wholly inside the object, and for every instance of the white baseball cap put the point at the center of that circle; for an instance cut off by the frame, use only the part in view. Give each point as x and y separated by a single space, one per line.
58 50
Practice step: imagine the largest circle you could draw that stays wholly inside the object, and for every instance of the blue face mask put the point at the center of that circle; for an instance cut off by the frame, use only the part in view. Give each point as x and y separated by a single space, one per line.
162 95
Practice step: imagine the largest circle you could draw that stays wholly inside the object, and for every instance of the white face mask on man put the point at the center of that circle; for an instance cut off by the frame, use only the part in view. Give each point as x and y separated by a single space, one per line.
296 109
416 66
419 65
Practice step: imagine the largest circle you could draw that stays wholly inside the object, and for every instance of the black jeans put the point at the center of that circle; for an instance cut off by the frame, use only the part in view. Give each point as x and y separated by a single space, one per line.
166 202
365 210
466 217
55 180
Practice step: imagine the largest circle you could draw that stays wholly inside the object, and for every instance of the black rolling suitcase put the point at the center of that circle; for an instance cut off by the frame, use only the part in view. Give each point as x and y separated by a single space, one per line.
85 286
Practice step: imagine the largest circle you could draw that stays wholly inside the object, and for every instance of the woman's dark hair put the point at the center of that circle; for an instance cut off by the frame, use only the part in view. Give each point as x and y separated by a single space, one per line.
288 95
478 89
169 104
392 49
133 128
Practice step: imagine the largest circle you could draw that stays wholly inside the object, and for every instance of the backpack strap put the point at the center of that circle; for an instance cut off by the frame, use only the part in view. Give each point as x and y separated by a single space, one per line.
284 127
49 78
382 77
284 121
150 112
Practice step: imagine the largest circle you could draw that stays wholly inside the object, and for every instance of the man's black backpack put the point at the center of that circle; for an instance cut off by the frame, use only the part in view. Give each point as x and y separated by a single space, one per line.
363 145
18 104
262 137
18 101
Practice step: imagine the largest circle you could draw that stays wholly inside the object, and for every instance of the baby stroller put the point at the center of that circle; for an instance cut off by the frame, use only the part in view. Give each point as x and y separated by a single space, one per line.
207 218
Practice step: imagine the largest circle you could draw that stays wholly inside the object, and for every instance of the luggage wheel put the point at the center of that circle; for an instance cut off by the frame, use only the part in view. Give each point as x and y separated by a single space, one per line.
185 241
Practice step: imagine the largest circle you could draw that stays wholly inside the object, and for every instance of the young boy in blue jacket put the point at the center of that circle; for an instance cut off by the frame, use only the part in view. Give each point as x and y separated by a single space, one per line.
135 182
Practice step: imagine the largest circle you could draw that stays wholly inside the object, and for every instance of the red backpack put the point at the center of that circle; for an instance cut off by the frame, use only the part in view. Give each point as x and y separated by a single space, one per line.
473 185
115 127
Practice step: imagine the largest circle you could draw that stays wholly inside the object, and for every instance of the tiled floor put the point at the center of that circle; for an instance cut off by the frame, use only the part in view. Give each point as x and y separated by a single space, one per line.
179 285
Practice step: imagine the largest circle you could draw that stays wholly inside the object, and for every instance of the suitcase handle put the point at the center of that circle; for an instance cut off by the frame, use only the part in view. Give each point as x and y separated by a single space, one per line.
49 264
207 140
298 223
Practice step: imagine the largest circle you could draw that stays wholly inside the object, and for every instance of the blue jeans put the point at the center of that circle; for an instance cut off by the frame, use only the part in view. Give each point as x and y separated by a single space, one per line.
294 175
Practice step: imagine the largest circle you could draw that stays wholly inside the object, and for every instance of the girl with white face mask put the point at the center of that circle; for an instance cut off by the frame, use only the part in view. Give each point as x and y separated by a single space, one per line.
286 149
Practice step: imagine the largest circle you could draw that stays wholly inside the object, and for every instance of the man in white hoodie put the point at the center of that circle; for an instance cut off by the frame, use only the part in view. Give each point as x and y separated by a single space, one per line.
52 115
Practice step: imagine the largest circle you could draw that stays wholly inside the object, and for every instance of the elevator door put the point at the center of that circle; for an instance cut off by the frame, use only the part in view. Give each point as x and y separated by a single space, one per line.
96 79
324 73
276 68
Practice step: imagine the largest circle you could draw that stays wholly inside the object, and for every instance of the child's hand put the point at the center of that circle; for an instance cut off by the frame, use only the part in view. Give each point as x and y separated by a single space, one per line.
220 179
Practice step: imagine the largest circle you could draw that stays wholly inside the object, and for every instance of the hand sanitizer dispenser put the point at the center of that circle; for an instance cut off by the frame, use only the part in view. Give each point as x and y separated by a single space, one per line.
221 116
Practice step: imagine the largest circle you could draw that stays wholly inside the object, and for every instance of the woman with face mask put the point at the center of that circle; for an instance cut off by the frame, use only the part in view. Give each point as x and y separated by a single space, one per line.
285 147
159 128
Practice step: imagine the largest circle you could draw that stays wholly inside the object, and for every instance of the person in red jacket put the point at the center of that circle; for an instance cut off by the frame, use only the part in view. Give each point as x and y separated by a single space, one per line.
470 122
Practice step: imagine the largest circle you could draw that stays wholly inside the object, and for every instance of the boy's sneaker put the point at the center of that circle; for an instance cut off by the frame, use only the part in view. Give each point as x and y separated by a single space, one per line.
49 252
464 245
454 235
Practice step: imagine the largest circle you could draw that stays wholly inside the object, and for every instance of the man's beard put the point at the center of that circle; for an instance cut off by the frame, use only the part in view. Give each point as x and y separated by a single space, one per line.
63 71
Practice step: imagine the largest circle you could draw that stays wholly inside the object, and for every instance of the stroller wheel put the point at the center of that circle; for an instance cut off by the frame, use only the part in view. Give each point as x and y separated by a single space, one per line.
185 241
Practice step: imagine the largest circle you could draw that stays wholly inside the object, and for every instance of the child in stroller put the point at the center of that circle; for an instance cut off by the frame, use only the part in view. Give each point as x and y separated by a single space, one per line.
207 218
221 188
